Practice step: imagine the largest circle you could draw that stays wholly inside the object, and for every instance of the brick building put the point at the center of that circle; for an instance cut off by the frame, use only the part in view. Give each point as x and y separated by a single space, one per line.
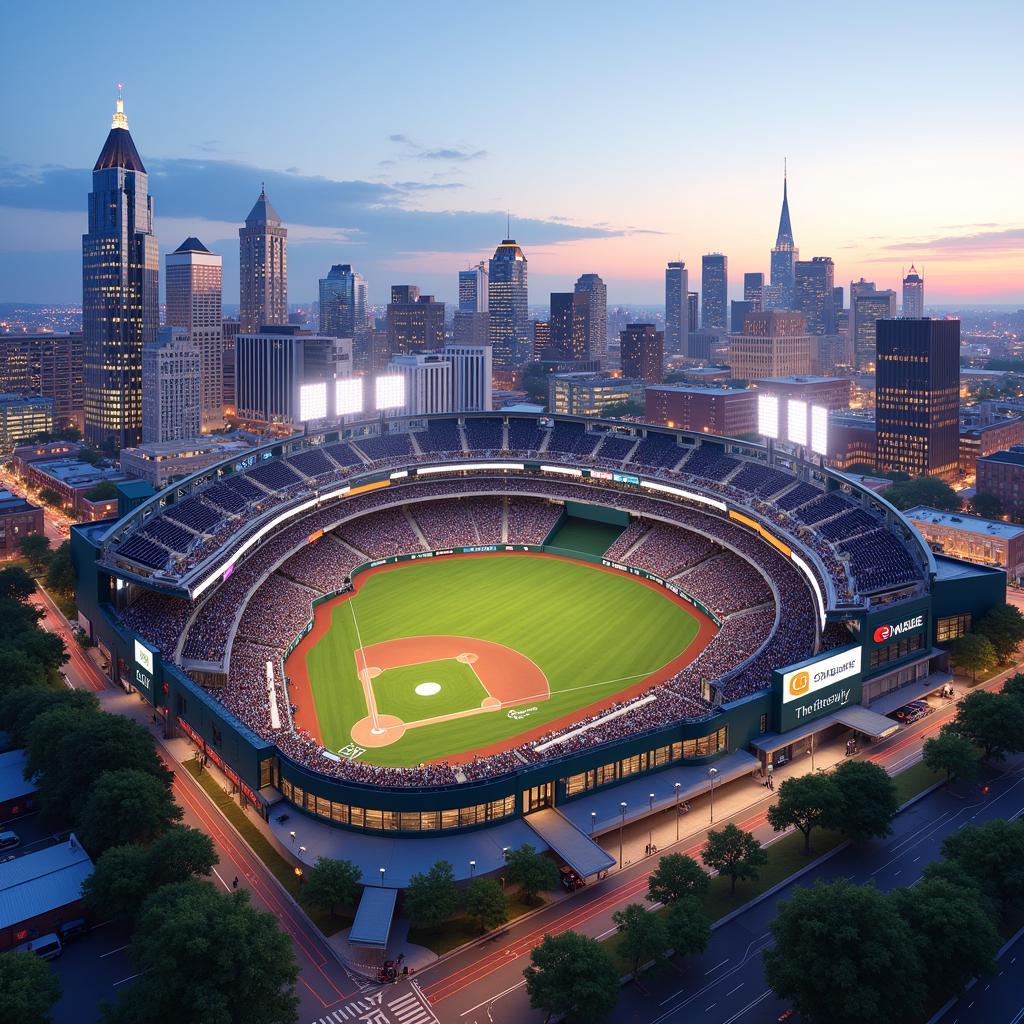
710 410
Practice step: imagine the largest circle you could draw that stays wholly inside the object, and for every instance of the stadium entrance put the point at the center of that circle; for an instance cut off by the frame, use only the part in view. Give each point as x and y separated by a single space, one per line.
536 798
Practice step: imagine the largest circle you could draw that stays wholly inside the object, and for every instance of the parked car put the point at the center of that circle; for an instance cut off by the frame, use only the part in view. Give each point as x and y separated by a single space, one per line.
73 929
9 840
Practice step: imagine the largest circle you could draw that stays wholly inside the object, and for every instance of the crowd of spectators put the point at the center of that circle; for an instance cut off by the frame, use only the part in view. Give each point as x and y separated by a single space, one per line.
159 618
530 520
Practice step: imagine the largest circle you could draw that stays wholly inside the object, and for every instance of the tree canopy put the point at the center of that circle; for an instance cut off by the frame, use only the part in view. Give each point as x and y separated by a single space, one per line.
60 573
992 721
642 936
973 653
993 856
924 490
573 976
431 897
36 549
864 800
1003 626
689 928
531 871
803 802
486 901
28 989
734 853
951 753
332 883
125 805
676 877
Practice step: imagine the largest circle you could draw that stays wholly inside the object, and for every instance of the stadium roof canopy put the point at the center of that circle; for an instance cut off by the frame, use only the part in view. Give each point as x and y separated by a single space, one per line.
373 917
576 848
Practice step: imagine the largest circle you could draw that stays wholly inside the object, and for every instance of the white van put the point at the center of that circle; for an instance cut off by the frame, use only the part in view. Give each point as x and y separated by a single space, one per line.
46 947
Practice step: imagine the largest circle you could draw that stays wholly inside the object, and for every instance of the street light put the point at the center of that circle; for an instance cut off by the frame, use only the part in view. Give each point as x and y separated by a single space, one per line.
292 834
593 821
712 772
298 874
472 869
302 849
650 823
382 877
678 787
622 810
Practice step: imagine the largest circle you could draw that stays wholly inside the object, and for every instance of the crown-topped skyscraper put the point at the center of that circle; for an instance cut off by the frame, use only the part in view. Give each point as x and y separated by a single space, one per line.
784 258
120 288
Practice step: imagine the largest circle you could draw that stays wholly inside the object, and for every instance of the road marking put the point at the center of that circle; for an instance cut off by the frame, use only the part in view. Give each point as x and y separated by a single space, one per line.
736 989
707 1009
130 978
493 999
712 970
221 880
113 951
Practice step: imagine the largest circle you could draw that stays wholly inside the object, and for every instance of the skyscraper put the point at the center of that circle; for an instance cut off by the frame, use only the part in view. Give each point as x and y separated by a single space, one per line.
171 387
714 283
753 290
507 289
596 291
49 365
415 322
917 397
814 294
913 294
867 307
692 305
263 267
677 321
569 325
473 289
120 289
643 353
784 257
774 343
193 282
342 302
738 313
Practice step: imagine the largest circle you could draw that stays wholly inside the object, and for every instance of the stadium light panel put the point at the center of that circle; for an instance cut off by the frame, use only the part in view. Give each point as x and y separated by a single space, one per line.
348 396
819 429
768 416
313 401
796 416
389 391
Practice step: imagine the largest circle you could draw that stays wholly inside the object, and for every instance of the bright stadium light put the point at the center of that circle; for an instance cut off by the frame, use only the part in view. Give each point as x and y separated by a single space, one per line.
768 416
389 391
348 396
313 401
819 429
796 415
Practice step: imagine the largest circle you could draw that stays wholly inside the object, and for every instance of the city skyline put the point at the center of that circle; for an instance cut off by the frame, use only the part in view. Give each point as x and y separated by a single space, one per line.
419 194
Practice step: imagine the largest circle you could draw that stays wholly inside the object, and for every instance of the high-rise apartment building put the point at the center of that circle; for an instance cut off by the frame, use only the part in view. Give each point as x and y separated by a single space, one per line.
867 307
917 397
193 283
541 339
171 387
643 353
507 291
120 289
49 365
814 294
753 290
415 322
569 325
473 289
774 343
342 302
692 315
677 308
596 291
471 328
428 383
263 268
714 283
229 329
913 294
784 258
471 376
738 313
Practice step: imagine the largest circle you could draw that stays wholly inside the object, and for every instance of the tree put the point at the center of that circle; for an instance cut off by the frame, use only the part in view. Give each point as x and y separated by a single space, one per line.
955 936
125 805
51 497
1003 626
992 721
951 753
675 877
992 855
864 801
844 954
534 382
119 884
16 584
987 505
689 929
803 803
925 490
60 574
642 936
36 549
573 976
1014 687
973 653
28 988
617 410
104 490
179 854
332 883
432 897
485 900
733 852
208 957
531 871
20 707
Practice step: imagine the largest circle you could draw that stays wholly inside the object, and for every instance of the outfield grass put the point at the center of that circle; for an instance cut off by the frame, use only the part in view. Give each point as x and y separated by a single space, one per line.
592 632
585 535
395 690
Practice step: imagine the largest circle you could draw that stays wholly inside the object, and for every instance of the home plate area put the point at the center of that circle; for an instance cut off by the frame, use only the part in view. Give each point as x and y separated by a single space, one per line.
415 681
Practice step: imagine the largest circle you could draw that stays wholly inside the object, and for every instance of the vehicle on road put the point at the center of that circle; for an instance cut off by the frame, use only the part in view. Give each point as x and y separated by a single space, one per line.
9 840
46 947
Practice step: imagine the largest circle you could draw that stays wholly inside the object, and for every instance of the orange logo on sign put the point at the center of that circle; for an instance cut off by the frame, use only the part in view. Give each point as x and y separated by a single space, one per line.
800 683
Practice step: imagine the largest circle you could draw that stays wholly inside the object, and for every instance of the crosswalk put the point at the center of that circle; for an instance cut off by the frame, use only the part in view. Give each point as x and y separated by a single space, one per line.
408 1008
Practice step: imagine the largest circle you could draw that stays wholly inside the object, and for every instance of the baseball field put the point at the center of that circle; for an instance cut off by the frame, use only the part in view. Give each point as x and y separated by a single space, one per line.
448 658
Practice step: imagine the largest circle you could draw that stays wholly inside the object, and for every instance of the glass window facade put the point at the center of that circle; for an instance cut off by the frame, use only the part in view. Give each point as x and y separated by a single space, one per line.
897 651
951 627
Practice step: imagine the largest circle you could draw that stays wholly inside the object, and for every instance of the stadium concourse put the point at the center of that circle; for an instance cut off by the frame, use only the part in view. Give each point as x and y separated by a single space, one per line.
823 597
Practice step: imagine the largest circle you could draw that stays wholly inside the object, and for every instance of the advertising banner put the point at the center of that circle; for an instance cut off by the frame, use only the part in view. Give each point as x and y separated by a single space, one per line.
817 687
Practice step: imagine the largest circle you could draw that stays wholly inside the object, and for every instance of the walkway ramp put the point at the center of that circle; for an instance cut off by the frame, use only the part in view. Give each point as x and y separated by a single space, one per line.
576 848
374 915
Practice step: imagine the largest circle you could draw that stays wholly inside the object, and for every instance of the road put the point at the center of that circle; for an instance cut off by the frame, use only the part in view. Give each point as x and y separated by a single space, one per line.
55 523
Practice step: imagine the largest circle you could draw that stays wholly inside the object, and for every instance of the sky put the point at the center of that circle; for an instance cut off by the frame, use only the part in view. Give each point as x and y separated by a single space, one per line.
395 136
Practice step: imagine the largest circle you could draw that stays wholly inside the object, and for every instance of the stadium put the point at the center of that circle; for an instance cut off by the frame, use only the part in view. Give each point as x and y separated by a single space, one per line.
444 624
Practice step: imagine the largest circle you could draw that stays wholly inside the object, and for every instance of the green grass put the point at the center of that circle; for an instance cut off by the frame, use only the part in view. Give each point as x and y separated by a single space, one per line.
914 779
395 690
591 632
458 930
585 535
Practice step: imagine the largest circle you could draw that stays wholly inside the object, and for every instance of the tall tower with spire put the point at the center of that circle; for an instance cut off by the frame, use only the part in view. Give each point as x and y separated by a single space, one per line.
120 289
263 268
784 258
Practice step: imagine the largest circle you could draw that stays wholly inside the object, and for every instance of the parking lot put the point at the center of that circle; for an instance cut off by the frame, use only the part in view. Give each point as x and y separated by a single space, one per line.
91 969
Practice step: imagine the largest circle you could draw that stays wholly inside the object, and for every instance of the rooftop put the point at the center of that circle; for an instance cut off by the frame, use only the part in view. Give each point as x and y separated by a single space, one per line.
970 524
37 883
800 379
78 474
190 446
1013 456
947 568
12 779
690 389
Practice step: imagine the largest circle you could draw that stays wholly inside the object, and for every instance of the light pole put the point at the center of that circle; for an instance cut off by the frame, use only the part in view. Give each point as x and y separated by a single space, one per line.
299 874
472 869
650 823
382 870
504 857
593 821
678 787
292 834
712 772
622 822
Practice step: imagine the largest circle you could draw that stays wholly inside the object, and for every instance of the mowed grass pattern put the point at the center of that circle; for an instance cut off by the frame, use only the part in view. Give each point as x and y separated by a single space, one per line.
395 690
592 633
